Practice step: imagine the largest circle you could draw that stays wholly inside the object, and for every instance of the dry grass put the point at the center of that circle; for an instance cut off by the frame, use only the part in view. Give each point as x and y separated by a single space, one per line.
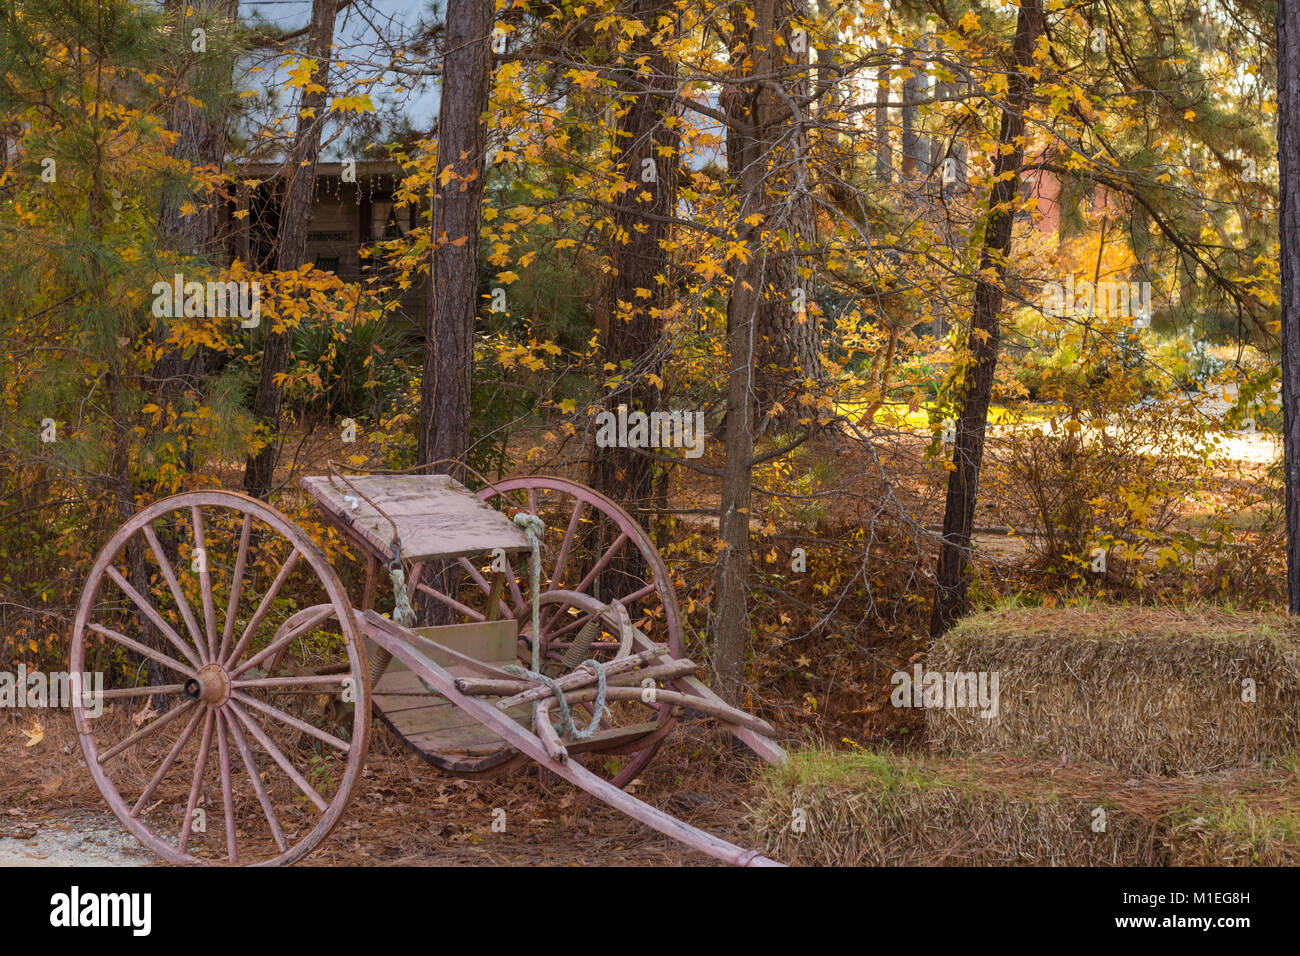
870 809
1143 690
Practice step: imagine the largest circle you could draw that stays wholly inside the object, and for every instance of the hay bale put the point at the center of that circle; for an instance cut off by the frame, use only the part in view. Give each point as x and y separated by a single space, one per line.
1143 690
865 809
878 809
1253 824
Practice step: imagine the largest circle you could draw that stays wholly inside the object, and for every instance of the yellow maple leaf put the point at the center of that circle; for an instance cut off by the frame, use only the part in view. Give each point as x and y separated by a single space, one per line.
353 104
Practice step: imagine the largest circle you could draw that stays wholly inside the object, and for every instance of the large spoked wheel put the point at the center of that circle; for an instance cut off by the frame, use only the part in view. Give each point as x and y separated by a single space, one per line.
236 719
592 547
593 553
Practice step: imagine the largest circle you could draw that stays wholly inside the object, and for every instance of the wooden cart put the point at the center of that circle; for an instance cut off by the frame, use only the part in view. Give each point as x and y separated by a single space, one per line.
252 675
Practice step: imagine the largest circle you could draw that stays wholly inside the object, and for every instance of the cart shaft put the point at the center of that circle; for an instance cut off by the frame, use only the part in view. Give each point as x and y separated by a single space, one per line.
395 639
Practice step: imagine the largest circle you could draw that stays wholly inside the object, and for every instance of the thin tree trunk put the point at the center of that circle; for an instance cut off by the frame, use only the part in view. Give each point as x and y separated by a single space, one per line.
200 130
884 151
291 253
911 126
638 254
201 141
445 391
789 338
750 153
1288 152
977 387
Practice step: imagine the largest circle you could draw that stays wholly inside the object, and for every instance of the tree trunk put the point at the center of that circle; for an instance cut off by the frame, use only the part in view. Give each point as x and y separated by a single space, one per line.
912 145
201 141
200 130
749 150
638 255
884 151
1288 153
445 390
789 338
977 385
291 253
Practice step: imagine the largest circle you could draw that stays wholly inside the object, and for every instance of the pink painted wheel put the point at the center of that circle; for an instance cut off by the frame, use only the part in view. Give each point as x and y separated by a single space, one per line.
593 553
587 539
200 753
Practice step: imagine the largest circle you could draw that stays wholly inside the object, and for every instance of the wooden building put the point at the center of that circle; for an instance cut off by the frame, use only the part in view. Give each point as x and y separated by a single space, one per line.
346 216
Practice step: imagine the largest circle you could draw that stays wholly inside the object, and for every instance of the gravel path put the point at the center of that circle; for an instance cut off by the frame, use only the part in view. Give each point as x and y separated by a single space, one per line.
80 838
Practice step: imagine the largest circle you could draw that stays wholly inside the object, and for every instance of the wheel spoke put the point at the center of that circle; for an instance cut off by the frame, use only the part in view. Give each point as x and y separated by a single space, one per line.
145 731
281 642
278 757
268 810
512 582
142 649
204 744
591 575
603 563
417 570
205 581
453 603
173 585
142 691
227 791
152 614
276 714
638 594
236 585
166 765
273 682
576 623
264 607
557 575
482 582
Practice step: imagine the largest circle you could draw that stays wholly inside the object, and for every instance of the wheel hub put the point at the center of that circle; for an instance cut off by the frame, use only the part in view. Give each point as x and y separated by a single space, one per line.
211 686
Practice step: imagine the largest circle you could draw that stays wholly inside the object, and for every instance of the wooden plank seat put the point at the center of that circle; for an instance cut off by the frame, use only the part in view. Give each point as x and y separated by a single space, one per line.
437 517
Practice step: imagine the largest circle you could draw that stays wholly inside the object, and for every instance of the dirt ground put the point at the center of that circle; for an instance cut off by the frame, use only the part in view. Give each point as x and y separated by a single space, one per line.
403 812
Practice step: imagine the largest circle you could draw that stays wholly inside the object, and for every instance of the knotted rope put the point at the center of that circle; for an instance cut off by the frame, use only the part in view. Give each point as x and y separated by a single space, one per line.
403 613
533 528
567 728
